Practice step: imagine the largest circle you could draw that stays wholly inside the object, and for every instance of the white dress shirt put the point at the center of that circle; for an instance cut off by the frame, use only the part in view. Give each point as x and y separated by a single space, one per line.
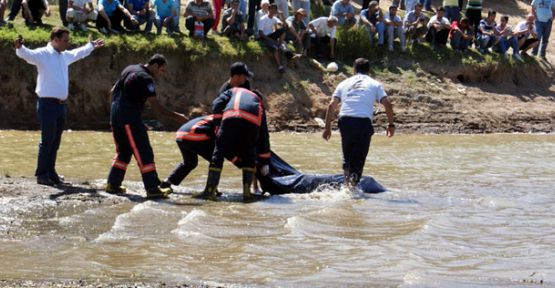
322 28
52 66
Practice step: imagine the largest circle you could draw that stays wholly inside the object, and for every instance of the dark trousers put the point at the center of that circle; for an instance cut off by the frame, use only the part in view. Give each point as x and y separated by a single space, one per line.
236 139
437 37
190 25
356 134
190 151
474 16
319 43
115 19
63 9
14 9
254 5
52 115
131 138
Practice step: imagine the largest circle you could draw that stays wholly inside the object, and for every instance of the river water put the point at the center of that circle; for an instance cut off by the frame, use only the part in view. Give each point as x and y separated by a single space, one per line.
461 211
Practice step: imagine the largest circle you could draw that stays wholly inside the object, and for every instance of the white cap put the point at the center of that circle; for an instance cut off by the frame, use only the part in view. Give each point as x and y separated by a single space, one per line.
264 2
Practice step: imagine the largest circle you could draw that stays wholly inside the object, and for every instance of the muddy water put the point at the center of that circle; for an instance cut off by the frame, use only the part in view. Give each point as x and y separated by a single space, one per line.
462 211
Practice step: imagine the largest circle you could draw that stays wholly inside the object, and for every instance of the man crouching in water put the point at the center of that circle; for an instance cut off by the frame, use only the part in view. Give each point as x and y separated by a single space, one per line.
243 128
357 95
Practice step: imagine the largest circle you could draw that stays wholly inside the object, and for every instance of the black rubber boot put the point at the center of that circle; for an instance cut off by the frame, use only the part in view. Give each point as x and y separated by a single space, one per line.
211 189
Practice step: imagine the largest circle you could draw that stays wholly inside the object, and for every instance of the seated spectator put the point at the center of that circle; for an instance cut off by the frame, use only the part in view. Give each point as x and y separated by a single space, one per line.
507 39
487 35
271 32
33 10
526 33
410 5
79 12
264 9
177 8
110 15
461 34
142 13
345 13
297 31
322 31
304 4
198 18
415 24
372 19
438 29
452 9
233 22
394 28
164 16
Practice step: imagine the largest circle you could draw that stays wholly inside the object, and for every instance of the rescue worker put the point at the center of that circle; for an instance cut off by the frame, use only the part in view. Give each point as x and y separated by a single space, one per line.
243 128
238 77
134 87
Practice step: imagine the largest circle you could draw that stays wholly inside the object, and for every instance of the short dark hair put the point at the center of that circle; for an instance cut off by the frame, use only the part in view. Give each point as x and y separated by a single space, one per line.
419 4
393 7
491 12
465 20
362 65
506 18
441 8
273 6
157 59
58 32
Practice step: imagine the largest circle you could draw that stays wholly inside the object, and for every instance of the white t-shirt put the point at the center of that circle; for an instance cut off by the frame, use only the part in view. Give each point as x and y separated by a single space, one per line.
435 20
321 26
267 24
358 94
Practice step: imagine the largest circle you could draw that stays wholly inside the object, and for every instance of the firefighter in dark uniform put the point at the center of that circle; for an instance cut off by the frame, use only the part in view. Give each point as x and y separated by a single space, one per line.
239 74
196 138
134 87
243 133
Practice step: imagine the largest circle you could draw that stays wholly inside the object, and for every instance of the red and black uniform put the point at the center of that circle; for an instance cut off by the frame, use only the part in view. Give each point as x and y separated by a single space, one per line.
130 93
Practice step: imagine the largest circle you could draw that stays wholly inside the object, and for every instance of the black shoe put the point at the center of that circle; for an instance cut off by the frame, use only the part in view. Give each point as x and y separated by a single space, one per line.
165 184
44 180
158 193
58 179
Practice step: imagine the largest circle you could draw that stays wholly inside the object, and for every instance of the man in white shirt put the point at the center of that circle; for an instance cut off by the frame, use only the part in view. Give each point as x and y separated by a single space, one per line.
52 88
438 29
526 33
323 31
79 12
271 32
394 28
357 95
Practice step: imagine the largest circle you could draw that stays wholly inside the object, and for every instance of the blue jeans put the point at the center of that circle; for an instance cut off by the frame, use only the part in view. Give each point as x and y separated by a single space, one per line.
147 18
504 45
427 4
452 13
543 29
380 29
297 4
458 42
160 22
392 32
52 116
177 7
485 42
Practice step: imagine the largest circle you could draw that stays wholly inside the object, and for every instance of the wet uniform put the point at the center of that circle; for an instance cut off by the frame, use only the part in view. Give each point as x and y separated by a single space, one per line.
131 92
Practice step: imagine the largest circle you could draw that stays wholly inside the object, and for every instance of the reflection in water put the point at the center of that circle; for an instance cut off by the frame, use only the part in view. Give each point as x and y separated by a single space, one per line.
461 211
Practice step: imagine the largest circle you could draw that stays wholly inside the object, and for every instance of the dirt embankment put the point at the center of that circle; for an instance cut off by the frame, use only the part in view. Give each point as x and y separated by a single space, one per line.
429 97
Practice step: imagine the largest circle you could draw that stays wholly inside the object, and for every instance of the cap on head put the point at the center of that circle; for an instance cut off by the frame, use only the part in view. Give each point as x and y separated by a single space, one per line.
301 11
240 68
264 2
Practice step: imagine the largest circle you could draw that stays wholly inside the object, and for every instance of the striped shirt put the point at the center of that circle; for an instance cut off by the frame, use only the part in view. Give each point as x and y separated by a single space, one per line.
447 3
474 5
202 10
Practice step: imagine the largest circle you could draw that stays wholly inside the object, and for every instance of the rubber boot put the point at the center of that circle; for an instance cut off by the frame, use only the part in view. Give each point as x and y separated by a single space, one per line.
248 176
211 189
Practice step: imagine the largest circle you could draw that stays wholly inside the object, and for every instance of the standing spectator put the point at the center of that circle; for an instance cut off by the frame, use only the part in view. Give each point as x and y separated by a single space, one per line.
254 6
79 12
452 9
177 8
129 94
233 22
272 33
415 24
198 13
345 13
164 15
427 5
217 7
265 8
438 29
33 10
110 15
52 88
394 28
543 10
304 4
297 31
142 13
372 19
357 95
62 8
461 34
3 5
487 35
283 9
526 33
14 9
474 13
507 39
323 31
410 5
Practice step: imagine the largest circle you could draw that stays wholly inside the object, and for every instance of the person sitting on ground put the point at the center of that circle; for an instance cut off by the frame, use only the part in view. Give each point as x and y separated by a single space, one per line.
79 12
345 13
438 29
507 39
304 4
233 22
526 33
487 34
142 13
33 10
297 32
372 21
264 9
461 34
199 18
164 16
394 28
271 32
415 24
110 15
322 31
